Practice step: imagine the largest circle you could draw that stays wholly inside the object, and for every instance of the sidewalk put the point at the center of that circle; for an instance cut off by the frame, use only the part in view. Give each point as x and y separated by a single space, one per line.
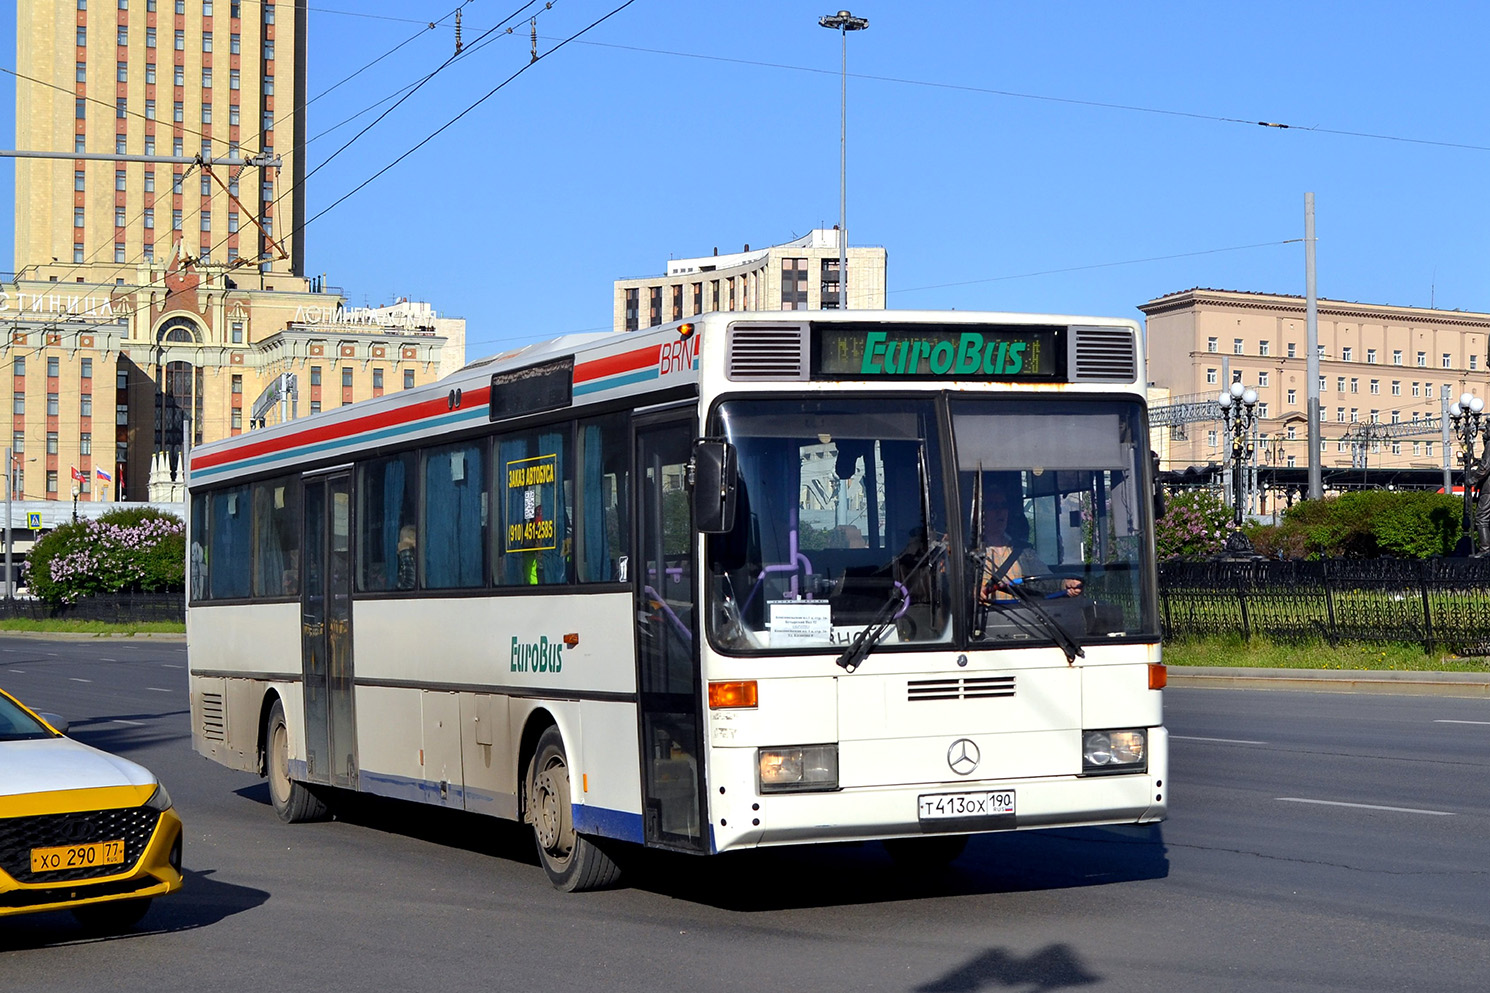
1453 684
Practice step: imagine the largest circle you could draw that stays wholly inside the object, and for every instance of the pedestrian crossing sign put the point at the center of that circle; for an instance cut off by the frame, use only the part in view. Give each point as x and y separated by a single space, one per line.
33 520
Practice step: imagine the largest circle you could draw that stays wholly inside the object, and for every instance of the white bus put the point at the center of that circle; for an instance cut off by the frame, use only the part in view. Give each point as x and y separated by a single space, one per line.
748 580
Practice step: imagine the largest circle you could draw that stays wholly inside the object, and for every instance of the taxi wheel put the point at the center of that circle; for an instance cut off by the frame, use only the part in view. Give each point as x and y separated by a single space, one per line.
106 918
930 852
573 862
293 801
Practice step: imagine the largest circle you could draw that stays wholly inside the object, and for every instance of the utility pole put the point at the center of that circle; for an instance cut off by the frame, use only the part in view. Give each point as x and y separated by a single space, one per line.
9 484
843 22
1311 321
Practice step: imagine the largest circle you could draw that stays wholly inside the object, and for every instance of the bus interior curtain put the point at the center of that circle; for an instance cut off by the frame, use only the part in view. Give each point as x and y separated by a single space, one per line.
453 488
597 542
553 563
395 483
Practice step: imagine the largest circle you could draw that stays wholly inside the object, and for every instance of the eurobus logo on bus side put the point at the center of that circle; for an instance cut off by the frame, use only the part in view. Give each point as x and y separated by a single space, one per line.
537 656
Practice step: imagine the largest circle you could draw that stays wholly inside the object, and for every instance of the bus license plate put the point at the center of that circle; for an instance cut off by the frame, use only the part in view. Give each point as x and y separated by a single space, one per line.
77 856
984 803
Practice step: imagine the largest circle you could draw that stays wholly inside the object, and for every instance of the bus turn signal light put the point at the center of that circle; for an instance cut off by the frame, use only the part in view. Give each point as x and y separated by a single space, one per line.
734 694
1158 676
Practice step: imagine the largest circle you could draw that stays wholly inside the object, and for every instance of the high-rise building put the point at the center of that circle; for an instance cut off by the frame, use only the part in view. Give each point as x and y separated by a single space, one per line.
799 275
216 79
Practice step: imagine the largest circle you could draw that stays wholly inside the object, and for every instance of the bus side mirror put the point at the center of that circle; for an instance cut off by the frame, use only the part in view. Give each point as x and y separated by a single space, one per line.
1158 490
713 478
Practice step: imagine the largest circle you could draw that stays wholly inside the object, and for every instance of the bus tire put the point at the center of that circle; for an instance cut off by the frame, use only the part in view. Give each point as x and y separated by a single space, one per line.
293 801
929 852
573 862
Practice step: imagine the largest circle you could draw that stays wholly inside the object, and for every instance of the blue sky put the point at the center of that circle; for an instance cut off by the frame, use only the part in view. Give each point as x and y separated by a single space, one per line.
1073 158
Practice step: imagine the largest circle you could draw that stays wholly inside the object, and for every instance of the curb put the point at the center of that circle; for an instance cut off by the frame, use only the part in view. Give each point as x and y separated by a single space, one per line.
1469 685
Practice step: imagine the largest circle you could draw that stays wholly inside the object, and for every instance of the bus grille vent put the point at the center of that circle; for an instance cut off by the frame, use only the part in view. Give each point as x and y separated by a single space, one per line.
964 688
759 353
1104 355
213 724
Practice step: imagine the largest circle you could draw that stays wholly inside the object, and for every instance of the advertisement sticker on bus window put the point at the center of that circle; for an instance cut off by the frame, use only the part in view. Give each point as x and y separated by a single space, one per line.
531 499
800 622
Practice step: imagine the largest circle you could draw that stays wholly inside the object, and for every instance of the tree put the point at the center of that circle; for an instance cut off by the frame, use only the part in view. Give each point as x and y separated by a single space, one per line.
129 550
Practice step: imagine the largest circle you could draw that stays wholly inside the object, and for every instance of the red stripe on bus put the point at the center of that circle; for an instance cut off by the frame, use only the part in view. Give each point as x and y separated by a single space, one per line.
613 365
340 429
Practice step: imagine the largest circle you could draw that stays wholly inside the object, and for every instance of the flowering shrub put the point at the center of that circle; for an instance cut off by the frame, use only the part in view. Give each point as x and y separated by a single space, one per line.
1194 525
131 550
1365 524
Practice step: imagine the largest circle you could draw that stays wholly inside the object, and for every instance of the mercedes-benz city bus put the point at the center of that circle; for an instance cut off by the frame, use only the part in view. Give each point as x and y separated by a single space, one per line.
748 580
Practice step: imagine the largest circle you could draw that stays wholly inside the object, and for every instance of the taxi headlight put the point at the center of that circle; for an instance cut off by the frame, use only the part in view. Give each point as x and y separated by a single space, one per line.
1114 751
159 800
798 768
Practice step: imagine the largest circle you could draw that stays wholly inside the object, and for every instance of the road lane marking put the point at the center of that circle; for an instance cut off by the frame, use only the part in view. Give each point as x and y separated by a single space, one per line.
1460 722
1224 741
22 671
1366 806
102 659
80 679
167 665
133 724
157 689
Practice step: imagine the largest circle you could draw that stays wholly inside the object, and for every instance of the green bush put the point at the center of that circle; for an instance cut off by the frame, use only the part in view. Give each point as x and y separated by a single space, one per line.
1364 524
129 550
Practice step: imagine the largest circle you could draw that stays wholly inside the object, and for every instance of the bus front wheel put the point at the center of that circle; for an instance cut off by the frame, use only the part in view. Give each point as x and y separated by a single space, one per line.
293 801
573 862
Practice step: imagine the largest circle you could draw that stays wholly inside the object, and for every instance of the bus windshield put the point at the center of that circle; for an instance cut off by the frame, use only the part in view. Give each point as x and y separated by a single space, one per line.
843 522
1054 505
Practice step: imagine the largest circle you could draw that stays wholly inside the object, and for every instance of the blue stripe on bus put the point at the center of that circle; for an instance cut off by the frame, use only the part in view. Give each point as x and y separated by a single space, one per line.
588 819
596 386
478 413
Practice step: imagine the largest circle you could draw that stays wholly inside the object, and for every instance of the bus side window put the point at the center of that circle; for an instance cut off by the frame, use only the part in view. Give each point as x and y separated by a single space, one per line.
604 517
534 483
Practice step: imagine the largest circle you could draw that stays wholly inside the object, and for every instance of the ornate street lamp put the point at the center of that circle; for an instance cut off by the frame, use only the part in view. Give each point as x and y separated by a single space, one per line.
1468 422
1238 416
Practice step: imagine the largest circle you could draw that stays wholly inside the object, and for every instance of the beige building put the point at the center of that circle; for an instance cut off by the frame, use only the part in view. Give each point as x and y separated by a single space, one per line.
175 78
1379 365
799 275
113 376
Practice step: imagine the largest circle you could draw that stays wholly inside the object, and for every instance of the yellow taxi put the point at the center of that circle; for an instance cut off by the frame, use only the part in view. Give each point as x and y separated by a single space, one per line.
80 829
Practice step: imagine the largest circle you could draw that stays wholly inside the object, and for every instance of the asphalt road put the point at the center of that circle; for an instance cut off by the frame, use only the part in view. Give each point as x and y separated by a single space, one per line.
1316 842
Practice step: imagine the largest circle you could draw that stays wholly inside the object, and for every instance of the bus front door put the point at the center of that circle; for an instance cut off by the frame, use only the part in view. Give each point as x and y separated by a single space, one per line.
326 633
667 648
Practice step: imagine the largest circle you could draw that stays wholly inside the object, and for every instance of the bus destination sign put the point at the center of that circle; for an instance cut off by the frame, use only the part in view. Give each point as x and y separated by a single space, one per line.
945 351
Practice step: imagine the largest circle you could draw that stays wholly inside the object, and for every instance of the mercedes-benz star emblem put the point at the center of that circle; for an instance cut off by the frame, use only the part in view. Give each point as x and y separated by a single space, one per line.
963 756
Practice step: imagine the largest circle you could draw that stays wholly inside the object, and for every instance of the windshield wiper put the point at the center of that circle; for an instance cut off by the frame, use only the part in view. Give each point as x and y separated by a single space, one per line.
896 604
1058 631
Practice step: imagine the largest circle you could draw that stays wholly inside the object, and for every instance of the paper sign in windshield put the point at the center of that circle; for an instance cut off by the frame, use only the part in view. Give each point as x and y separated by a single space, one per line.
800 622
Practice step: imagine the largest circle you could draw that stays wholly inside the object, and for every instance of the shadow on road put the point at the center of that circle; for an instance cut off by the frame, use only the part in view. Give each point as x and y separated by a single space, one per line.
1054 967
142 731
202 902
838 875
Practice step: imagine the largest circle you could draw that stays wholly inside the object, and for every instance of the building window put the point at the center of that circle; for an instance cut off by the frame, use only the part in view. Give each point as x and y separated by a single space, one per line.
268 86
1396 387
206 41
123 38
654 295
1340 413
346 377
1346 353
85 405
150 73
206 221
1211 345
180 41
234 46
1264 348
234 79
1210 375
77 252
1293 351
77 217
238 385
149 37
175 220
54 405
118 217
1210 437
1262 410
178 112
82 36
121 73
86 370
233 120
1474 361
237 332
1447 364
149 217
80 109
149 110
1262 379
206 113
1339 384
1292 433
408 379
181 75
77 180
237 421
268 49
632 305
1236 346
1396 356
1370 356
377 379
1422 360
18 403
315 375
51 480
1376 387
315 406
1293 397
54 366
1355 385
268 13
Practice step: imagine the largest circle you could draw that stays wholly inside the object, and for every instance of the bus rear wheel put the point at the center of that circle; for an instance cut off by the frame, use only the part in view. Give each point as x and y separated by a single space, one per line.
573 862
293 801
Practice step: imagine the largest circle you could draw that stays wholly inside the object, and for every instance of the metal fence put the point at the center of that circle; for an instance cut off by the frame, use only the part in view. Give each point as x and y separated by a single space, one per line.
1442 604
121 609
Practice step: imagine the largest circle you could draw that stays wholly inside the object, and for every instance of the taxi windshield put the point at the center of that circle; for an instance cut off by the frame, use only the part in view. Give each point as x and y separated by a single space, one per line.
17 725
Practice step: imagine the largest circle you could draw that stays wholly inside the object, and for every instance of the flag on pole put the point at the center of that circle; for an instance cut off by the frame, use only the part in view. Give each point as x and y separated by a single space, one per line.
76 475
103 474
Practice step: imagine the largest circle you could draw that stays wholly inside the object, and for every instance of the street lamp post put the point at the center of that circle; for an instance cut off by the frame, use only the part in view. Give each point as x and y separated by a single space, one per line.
843 22
1238 417
1468 420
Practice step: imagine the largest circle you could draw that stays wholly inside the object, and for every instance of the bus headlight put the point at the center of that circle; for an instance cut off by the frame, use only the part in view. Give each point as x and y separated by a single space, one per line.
798 768
1114 751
